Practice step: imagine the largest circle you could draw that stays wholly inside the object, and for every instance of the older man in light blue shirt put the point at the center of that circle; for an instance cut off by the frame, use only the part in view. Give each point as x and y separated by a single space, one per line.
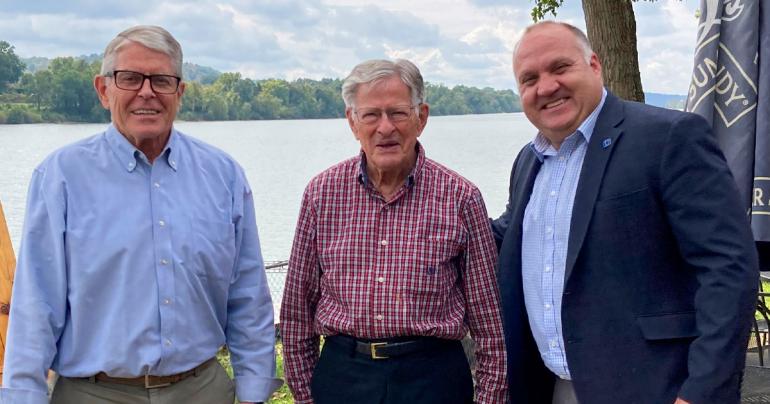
140 256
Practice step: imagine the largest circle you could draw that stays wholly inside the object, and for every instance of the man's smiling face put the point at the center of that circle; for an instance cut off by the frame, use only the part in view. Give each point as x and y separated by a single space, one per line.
559 88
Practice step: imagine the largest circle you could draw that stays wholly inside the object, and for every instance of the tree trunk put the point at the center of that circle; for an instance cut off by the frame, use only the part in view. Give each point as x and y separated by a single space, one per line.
615 44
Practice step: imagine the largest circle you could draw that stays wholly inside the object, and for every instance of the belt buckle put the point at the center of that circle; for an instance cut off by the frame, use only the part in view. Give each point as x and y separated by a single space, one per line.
148 386
374 346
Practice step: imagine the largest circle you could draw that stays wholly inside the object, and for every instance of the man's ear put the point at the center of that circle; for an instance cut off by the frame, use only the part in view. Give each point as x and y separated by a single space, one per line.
351 121
100 85
424 113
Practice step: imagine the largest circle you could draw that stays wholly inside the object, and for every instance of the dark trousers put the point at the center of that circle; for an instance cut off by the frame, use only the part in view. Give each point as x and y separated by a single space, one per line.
438 374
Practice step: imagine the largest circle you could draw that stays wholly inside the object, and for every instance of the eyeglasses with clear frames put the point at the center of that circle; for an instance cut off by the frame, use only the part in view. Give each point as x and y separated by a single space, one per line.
398 113
133 81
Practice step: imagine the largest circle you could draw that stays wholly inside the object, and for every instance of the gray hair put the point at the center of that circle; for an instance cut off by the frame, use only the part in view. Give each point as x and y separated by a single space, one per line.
582 39
149 36
372 71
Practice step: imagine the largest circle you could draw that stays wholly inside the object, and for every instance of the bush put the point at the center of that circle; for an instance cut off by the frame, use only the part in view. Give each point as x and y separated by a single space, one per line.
53 117
22 114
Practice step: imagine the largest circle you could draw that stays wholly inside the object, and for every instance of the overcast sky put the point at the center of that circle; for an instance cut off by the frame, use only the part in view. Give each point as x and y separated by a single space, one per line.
453 41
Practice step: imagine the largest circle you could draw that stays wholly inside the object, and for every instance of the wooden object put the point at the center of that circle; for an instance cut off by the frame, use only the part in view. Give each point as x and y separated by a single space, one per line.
7 268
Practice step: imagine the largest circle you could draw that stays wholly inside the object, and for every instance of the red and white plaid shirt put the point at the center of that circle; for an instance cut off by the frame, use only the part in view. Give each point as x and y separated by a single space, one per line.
422 264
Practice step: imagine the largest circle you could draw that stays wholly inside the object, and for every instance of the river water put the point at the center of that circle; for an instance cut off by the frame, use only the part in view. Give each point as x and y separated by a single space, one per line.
280 157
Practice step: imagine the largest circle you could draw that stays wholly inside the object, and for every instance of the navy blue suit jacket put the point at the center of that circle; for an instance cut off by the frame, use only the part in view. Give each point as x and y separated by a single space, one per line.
661 273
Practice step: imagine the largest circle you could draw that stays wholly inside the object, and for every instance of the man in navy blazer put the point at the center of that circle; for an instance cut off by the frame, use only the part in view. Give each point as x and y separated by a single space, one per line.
628 272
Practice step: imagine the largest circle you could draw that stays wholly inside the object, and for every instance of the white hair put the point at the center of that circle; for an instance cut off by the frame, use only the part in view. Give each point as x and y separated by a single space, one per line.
149 36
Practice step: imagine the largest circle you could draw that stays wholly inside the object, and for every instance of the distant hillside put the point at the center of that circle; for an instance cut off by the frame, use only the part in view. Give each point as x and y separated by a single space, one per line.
35 63
201 74
191 71
671 101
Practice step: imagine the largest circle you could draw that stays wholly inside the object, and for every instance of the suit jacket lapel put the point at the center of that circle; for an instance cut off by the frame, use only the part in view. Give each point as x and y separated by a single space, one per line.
606 133
510 254
524 184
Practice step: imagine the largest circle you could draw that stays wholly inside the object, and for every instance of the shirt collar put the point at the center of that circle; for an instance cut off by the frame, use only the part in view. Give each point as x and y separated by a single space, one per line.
541 146
128 154
363 176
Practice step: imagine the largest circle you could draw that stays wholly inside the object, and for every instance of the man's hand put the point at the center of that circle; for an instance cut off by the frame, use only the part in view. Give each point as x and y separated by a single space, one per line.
681 401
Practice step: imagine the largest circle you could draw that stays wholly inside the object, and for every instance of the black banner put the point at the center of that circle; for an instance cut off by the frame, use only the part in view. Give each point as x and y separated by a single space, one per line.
730 89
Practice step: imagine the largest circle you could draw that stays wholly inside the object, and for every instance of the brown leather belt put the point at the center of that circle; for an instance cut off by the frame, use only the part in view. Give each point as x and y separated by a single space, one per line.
150 381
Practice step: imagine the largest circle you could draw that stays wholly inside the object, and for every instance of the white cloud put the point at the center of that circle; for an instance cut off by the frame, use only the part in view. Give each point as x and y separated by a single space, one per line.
453 41
666 44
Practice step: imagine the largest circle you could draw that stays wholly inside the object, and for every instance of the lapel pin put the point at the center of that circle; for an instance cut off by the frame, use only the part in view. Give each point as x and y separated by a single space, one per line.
606 143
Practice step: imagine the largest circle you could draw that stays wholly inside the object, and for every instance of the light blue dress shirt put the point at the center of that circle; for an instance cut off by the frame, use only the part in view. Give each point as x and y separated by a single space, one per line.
546 228
129 268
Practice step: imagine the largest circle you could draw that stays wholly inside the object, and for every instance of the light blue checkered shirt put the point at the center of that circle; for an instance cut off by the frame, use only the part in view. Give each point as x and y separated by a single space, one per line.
546 233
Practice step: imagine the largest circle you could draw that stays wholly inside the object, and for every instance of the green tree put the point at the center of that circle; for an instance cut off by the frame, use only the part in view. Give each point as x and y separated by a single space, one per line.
215 105
72 91
327 95
611 28
64 92
192 101
10 66
38 87
267 106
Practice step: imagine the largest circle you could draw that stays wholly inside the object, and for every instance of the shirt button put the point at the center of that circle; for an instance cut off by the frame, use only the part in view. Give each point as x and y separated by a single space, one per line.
381 279
168 342
156 185
548 230
548 269
163 262
130 165
173 163
378 317
161 223
561 158
384 243
553 343
166 301
553 193
547 306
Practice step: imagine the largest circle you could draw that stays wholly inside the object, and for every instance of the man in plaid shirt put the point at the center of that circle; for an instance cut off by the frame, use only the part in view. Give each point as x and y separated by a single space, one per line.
393 263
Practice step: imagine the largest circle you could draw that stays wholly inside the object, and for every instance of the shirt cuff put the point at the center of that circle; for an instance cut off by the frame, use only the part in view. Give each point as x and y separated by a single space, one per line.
22 396
252 388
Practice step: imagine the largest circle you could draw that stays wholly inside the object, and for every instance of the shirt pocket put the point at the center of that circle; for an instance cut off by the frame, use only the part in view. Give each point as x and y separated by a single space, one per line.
208 248
434 269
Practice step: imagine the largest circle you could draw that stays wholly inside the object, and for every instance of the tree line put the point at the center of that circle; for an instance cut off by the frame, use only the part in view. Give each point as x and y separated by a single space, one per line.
63 92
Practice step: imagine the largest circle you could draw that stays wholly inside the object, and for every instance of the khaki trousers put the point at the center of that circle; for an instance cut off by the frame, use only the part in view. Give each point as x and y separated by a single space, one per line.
211 386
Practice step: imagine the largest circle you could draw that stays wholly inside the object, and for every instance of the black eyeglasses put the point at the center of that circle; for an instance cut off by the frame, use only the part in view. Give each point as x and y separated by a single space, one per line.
133 81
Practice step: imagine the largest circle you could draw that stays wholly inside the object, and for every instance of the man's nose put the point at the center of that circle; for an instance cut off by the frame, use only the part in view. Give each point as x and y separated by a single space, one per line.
146 89
385 126
547 85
